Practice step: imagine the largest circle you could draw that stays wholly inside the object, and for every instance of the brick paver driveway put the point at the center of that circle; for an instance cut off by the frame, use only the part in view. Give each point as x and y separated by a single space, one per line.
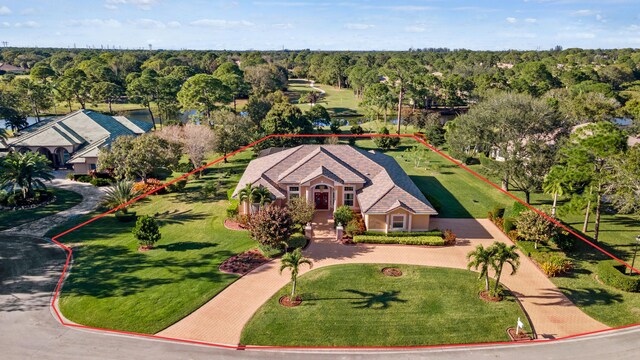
221 319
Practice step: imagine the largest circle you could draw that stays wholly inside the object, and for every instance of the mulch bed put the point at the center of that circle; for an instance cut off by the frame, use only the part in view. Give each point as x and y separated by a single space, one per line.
233 225
243 263
286 301
145 248
391 271
521 336
484 295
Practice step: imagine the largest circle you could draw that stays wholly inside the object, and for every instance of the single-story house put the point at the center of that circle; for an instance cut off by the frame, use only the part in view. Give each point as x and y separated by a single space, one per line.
74 140
8 68
330 176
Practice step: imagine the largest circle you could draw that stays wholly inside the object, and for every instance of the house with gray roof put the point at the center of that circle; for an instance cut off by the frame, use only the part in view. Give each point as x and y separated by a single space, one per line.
74 140
329 176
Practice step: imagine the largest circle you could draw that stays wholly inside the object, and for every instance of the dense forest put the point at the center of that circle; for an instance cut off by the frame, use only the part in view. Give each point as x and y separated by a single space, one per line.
583 85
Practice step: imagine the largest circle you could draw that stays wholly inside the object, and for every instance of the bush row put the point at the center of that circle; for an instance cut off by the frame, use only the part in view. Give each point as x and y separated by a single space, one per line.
612 273
407 240
405 233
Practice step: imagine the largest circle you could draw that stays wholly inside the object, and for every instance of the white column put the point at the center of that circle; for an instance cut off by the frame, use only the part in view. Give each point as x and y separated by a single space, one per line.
386 224
409 224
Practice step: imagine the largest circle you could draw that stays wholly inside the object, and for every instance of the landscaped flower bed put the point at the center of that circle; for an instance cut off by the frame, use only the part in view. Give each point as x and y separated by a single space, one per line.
243 263
406 240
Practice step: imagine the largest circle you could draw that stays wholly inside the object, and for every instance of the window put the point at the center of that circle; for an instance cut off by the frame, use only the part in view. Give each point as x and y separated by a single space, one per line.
349 196
294 192
92 166
397 222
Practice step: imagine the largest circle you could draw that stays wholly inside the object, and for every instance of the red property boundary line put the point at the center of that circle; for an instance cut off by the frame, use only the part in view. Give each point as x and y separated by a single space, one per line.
69 253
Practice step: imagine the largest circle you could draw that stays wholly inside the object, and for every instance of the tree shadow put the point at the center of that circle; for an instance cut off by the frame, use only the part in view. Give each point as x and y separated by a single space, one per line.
186 246
592 296
178 217
378 301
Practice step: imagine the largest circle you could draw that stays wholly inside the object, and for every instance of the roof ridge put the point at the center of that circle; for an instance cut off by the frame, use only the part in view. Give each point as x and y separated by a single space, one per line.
300 162
52 122
391 186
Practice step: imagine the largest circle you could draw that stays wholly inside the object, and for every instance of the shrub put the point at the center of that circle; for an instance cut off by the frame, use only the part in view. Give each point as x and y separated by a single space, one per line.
517 209
343 215
178 186
271 226
498 212
612 273
406 233
230 194
297 241
449 237
513 235
386 142
185 167
564 240
356 226
301 211
508 225
100 182
533 227
209 189
143 187
552 264
243 220
70 176
232 209
83 178
406 240
147 231
334 126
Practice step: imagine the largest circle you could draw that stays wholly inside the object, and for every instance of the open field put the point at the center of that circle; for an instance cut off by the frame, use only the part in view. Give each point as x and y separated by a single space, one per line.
357 305
339 102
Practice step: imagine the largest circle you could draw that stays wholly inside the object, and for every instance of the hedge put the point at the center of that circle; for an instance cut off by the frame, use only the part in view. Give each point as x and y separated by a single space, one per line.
406 240
405 233
232 209
611 273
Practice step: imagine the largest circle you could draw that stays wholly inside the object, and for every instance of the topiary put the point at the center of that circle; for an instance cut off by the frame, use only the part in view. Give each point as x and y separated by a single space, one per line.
146 231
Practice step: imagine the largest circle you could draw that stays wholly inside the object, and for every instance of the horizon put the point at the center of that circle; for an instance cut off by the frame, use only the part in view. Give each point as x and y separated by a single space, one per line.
371 25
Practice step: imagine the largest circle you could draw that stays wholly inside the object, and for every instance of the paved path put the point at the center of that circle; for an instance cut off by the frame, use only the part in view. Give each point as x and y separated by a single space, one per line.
91 197
29 269
222 319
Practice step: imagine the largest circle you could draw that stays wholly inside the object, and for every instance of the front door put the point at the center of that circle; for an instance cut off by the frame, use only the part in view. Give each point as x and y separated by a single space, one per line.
321 200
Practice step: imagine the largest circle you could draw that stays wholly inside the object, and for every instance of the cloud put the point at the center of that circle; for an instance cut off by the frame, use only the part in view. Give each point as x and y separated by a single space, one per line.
352 26
223 24
5 10
141 4
28 11
94 23
27 24
174 24
584 12
415 28
5 24
511 20
148 24
531 20
283 26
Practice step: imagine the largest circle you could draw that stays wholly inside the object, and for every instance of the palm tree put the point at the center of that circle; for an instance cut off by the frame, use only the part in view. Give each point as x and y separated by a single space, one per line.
244 195
3 136
25 172
555 183
503 254
292 261
119 194
481 258
261 195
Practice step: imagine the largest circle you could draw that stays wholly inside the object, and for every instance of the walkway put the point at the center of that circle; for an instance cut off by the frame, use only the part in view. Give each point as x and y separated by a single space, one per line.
91 197
222 319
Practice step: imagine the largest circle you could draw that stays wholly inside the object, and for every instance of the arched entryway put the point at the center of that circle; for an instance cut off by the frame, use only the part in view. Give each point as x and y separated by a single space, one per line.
61 157
322 197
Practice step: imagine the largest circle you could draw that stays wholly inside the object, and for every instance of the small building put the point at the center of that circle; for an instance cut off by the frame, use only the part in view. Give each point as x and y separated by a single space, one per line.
74 140
8 68
371 183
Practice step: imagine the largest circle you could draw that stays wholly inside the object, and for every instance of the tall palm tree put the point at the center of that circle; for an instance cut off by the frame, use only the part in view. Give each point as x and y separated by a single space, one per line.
119 194
481 259
25 172
292 261
503 254
556 184
244 195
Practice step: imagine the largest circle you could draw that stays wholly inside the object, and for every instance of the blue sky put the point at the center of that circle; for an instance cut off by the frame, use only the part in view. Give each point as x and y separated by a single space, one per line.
322 24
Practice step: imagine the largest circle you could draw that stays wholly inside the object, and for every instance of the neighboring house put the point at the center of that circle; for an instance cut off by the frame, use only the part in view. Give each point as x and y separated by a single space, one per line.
74 140
370 182
8 68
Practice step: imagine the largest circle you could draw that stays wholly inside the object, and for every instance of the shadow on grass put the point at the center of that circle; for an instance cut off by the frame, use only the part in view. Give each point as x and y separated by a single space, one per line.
379 301
114 271
444 201
186 245
592 296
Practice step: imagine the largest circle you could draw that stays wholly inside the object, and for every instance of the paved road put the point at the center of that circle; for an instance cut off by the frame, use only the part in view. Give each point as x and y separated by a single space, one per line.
29 268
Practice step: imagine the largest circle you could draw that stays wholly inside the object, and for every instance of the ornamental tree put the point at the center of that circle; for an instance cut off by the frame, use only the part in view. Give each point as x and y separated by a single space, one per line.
271 226
147 231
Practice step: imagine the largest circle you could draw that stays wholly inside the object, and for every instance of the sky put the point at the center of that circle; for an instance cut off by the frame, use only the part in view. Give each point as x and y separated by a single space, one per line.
322 24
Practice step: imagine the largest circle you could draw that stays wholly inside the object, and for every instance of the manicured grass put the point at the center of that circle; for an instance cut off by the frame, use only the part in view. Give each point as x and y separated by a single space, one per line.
356 305
65 199
113 285
452 190
339 102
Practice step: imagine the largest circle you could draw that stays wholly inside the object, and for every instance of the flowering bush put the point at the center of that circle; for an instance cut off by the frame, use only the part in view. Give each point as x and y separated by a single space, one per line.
144 187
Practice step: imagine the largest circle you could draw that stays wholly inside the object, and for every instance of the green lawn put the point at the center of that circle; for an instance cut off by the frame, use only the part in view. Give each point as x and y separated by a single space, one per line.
356 305
65 199
113 285
339 102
